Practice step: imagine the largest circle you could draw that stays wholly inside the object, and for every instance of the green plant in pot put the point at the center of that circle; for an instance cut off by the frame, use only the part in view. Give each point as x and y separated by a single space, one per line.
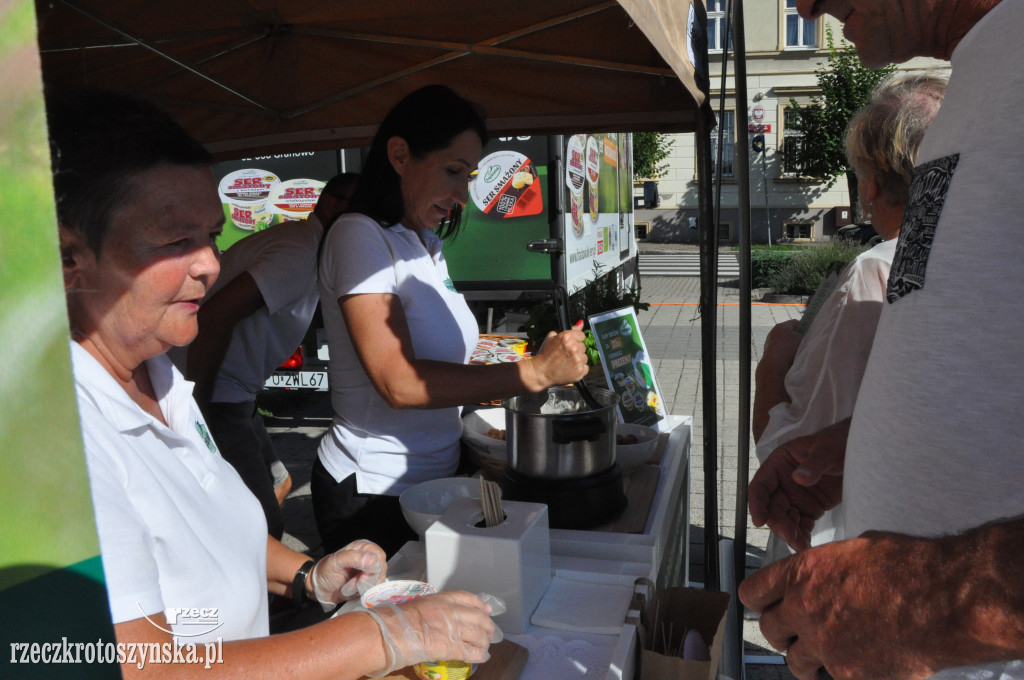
602 295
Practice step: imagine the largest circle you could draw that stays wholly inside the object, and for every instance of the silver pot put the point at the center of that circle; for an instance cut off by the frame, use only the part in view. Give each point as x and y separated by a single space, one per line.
567 446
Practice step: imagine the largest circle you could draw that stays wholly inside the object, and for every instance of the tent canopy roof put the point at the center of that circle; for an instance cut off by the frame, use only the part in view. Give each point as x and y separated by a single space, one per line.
247 76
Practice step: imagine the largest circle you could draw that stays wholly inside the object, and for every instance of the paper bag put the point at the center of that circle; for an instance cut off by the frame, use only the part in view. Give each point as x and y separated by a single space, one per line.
666 618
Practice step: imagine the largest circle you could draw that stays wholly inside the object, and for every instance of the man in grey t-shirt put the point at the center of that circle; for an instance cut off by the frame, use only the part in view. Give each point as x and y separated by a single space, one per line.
931 470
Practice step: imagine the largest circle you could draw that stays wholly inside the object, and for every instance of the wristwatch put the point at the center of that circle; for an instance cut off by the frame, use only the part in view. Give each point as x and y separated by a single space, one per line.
299 596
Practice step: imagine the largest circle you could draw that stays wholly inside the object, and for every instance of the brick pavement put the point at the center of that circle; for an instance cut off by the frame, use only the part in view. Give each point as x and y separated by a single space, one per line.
671 329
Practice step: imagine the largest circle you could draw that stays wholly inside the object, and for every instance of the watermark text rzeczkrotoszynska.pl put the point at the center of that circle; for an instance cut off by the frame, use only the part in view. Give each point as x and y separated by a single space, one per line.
202 621
138 654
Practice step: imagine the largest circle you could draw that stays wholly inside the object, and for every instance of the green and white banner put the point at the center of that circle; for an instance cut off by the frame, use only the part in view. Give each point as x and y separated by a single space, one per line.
52 595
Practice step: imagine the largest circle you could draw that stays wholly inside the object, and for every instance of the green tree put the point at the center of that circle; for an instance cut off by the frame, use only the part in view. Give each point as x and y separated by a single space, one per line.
650 149
845 84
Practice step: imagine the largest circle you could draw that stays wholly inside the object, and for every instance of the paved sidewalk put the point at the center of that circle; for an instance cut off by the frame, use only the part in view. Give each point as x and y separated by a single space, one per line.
671 329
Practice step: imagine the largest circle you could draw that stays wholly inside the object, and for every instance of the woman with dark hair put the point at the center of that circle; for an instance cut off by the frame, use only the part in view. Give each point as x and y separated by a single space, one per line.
400 336
138 217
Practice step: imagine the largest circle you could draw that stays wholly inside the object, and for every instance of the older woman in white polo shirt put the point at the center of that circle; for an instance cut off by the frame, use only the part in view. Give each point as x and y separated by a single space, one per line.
138 216
400 336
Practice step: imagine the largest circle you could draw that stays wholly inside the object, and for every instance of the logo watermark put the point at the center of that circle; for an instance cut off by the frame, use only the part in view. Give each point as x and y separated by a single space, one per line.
190 622
202 620
138 654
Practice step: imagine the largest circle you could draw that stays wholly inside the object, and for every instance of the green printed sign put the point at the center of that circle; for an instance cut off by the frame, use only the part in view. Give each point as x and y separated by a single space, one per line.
628 368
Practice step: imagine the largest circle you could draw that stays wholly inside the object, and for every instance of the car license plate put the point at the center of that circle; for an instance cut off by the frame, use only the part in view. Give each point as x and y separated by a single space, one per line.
302 380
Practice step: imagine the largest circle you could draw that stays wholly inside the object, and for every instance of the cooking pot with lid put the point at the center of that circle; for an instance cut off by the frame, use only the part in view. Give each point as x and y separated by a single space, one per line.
560 446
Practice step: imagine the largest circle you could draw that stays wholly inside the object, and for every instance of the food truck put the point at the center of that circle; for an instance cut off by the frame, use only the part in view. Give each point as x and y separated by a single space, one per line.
544 211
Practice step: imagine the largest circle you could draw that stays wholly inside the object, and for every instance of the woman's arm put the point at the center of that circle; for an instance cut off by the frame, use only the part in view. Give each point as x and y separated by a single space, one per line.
380 335
452 625
334 579
217 319
344 647
770 375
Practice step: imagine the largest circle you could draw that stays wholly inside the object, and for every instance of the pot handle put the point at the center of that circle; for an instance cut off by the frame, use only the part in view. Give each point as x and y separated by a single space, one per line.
577 428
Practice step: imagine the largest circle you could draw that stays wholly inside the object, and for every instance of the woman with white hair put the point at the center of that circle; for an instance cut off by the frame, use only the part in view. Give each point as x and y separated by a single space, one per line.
807 382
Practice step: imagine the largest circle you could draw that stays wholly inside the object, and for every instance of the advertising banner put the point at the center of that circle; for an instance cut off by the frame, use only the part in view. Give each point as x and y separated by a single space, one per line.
598 221
627 367
507 209
260 192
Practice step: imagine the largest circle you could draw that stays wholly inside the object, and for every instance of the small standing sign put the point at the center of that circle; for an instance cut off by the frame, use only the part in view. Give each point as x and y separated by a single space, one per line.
627 366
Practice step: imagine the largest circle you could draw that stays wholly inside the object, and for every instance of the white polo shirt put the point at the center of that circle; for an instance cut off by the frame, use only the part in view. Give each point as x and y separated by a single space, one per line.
390 449
825 376
178 528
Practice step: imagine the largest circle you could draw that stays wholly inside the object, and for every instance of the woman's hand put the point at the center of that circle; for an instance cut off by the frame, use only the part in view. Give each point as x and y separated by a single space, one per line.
349 572
452 626
562 358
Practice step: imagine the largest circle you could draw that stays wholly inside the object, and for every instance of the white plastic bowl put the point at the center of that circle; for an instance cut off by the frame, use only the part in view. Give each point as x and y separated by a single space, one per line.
629 456
474 432
423 503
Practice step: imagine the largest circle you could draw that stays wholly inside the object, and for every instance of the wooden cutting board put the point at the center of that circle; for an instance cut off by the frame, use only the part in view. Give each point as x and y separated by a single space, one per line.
507 662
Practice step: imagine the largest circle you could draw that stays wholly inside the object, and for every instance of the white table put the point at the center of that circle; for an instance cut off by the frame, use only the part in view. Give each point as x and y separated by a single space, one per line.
660 553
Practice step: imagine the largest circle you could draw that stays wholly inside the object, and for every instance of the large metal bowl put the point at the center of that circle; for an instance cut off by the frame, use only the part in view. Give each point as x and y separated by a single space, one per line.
568 446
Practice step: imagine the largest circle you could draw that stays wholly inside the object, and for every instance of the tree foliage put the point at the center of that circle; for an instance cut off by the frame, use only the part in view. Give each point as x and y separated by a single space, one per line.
845 84
650 149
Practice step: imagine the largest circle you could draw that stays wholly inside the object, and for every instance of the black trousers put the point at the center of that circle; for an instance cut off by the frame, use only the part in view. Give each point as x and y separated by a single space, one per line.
342 515
244 442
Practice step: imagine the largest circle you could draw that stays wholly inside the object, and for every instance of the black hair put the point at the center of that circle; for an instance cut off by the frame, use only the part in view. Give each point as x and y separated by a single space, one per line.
99 142
339 185
428 119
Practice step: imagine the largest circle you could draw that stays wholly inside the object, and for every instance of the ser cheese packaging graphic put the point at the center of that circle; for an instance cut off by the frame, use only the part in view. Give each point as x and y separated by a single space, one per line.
246 191
294 199
575 180
506 186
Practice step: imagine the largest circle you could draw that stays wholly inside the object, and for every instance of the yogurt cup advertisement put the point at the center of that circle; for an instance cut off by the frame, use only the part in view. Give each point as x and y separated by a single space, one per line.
508 207
596 229
506 186
628 367
260 192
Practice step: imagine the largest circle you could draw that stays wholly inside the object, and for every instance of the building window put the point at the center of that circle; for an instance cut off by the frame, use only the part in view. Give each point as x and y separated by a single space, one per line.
724 232
792 140
716 26
728 134
800 32
798 230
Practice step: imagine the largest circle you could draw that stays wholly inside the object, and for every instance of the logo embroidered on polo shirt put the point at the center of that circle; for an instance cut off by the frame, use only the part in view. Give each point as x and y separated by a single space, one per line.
205 435
927 195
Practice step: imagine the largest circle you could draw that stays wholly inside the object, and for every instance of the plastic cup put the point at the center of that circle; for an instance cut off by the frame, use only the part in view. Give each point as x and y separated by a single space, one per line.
397 592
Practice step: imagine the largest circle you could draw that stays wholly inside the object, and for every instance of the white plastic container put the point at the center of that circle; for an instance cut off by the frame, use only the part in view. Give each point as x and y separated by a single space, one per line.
511 560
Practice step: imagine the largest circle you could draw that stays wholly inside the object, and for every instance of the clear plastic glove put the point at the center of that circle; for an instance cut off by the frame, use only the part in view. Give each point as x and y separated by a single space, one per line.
498 607
349 572
454 626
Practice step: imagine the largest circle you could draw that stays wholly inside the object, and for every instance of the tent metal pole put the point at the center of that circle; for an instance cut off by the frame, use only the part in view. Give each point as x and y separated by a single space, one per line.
708 323
743 414
743 169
